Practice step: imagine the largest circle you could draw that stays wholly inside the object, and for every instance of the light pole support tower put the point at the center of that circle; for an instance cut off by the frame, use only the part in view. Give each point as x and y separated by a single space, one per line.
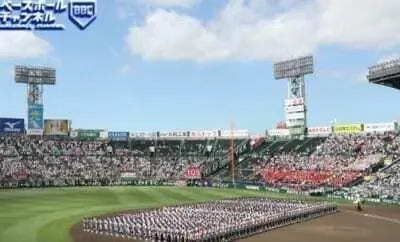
35 78
295 104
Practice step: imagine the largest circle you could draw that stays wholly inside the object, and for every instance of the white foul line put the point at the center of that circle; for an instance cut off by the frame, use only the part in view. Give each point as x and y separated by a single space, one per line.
392 220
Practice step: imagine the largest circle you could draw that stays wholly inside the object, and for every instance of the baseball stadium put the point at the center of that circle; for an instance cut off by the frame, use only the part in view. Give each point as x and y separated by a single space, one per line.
293 182
337 183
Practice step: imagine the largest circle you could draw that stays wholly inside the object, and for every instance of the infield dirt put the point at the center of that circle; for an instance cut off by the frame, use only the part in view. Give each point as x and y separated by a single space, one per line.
376 223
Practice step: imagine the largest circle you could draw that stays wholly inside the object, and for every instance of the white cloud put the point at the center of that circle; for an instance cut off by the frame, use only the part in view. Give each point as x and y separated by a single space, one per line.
268 29
22 44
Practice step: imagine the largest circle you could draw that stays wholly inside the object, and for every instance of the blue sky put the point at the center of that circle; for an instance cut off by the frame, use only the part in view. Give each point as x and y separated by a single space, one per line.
199 64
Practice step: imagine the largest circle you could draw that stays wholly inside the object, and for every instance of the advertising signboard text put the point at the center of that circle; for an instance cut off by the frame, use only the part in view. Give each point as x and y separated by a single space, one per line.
12 126
56 127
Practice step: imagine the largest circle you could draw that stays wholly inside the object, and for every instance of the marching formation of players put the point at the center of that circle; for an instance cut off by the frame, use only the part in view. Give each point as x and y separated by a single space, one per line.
223 220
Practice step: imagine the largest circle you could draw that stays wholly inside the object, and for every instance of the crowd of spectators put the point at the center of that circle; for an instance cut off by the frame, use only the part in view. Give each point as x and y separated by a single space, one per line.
52 161
336 162
385 184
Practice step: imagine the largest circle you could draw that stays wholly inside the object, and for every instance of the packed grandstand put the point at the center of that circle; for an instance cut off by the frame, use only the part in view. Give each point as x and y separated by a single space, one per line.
354 162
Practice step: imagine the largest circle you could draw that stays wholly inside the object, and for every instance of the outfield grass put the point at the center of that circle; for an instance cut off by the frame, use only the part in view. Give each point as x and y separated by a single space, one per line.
45 215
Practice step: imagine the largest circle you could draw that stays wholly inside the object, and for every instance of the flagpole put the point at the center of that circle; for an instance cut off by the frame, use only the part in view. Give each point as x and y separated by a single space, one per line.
232 154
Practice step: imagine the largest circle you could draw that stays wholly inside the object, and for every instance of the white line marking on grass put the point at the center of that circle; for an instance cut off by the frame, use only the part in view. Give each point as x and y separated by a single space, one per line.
391 220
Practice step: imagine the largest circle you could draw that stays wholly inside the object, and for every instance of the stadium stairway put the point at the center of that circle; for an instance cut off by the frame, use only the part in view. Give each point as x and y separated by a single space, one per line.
221 147
214 144
276 146
245 166
260 147
268 148
309 145
273 147
242 149
389 164
355 182
217 157
265 149
290 146
193 147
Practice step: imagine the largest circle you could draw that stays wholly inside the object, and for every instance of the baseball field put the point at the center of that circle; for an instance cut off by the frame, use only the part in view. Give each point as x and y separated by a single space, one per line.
53 214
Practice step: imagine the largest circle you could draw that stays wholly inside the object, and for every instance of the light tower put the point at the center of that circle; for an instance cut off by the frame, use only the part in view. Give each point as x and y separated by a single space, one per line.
35 78
295 105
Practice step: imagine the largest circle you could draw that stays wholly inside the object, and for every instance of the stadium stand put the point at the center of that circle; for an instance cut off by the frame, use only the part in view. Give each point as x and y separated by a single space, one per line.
29 161
337 162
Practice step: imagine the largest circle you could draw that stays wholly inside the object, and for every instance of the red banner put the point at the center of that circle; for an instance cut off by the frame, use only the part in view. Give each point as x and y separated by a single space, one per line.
193 173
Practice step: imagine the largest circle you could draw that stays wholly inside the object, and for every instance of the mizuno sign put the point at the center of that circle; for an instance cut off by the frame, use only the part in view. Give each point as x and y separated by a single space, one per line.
12 126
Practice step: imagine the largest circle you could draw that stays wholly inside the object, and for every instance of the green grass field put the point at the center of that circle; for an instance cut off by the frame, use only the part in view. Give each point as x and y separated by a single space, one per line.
45 215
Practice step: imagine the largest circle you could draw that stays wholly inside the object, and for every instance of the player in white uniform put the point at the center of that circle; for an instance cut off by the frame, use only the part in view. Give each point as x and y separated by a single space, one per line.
358 202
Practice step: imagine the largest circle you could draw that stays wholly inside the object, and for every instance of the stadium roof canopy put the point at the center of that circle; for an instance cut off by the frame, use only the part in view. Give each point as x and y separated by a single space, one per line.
394 83
387 74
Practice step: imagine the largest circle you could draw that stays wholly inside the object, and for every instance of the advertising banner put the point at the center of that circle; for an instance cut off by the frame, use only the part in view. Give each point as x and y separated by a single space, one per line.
143 135
319 131
294 101
227 133
291 116
297 131
103 134
88 133
138 135
203 134
235 133
12 126
35 119
56 127
173 134
193 173
196 134
163 134
294 123
379 127
128 175
118 136
294 109
278 132
73 134
210 133
348 128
